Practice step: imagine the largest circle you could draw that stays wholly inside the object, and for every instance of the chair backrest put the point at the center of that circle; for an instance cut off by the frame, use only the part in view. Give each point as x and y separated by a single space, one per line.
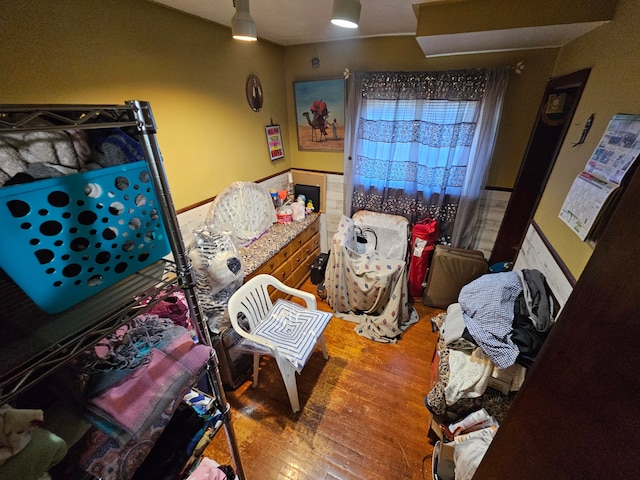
252 300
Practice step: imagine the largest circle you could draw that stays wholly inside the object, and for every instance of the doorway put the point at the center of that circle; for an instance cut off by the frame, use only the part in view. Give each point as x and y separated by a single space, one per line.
555 114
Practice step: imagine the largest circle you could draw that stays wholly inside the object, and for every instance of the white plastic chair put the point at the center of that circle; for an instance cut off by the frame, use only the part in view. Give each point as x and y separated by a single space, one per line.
286 331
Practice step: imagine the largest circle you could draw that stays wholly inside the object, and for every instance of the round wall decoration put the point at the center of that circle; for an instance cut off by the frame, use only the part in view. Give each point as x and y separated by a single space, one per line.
254 93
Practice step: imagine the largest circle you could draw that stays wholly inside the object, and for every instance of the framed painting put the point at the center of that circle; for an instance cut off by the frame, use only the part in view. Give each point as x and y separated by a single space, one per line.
320 114
274 142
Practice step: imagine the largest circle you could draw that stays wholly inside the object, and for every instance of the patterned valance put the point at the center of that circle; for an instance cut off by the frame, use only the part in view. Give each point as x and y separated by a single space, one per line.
455 85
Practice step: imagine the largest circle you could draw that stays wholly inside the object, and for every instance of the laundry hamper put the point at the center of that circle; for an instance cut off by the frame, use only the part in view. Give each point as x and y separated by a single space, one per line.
67 238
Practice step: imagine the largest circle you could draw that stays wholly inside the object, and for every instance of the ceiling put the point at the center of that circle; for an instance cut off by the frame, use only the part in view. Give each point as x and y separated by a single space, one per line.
295 22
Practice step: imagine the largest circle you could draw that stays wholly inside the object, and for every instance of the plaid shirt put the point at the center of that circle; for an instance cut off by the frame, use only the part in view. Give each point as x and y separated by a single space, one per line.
487 305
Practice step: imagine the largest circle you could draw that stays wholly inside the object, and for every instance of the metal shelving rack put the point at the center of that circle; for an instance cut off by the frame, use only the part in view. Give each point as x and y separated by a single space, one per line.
63 336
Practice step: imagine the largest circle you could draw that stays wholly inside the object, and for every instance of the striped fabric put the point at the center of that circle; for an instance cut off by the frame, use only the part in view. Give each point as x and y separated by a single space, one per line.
294 329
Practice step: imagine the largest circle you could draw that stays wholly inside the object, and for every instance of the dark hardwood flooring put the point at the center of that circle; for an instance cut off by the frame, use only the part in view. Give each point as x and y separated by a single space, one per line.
362 411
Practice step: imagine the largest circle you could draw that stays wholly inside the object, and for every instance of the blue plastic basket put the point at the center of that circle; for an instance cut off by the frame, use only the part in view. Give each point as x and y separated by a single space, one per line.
67 238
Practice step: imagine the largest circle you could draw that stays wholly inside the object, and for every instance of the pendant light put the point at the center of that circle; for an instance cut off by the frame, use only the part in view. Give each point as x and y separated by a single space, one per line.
346 13
242 25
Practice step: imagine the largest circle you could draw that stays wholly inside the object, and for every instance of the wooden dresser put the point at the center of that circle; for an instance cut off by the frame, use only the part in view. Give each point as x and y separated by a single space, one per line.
286 252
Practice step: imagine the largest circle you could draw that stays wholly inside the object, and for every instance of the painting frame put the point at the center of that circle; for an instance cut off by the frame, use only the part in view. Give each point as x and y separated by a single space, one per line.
320 129
274 142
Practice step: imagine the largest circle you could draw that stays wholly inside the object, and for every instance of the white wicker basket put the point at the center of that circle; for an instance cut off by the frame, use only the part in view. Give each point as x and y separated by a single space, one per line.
245 210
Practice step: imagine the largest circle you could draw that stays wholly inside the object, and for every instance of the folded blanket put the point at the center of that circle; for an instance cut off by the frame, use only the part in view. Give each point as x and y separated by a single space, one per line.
29 156
132 404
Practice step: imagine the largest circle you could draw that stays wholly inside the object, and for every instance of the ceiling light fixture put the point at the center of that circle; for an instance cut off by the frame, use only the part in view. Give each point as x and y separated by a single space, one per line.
242 25
346 13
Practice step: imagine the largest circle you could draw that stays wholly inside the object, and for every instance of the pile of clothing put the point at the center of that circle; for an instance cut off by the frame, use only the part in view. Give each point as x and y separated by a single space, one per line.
29 156
491 335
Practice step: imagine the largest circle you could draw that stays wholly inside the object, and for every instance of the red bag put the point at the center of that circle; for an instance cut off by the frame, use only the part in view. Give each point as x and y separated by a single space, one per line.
423 240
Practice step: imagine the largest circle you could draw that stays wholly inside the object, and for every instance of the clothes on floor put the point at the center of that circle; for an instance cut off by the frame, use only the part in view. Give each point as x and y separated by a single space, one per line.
536 302
487 339
453 329
487 305
469 374
468 453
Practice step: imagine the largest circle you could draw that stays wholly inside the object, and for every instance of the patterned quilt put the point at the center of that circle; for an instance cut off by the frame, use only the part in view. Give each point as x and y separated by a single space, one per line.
368 288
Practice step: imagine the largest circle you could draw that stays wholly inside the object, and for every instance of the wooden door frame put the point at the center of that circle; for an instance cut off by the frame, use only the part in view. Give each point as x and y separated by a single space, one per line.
544 145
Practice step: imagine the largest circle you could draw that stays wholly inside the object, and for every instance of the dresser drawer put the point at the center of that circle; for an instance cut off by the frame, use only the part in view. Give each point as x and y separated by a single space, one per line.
273 263
301 239
303 271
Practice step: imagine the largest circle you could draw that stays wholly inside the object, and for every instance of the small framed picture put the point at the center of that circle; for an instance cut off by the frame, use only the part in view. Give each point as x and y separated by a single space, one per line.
274 142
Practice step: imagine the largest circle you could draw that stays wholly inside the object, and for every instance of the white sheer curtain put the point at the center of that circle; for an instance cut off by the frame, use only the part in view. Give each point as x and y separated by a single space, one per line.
418 144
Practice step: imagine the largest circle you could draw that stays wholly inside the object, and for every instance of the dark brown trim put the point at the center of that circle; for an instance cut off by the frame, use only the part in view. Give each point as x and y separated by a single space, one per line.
554 254
326 172
499 189
195 205
546 140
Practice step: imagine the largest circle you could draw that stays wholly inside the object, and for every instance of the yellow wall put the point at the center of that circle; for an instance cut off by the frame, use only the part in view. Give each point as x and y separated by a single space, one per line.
611 51
404 54
93 51
192 72
96 51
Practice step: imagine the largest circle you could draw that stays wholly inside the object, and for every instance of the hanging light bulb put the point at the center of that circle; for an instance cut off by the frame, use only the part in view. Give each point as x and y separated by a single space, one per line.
242 25
346 13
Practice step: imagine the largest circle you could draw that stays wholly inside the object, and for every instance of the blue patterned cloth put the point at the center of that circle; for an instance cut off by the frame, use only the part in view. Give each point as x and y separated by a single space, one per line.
487 306
294 329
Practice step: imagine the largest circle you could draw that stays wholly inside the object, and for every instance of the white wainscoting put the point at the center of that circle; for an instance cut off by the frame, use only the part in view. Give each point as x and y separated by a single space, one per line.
334 208
493 204
534 254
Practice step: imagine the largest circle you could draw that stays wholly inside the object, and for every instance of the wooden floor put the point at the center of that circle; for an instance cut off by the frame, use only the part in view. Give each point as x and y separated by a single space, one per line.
362 411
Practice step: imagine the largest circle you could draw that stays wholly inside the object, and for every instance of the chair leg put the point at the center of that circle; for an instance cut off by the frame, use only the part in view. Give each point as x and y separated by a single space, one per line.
289 377
324 347
256 369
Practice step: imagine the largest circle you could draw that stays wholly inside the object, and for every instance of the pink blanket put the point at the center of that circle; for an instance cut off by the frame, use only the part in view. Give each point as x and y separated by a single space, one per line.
133 402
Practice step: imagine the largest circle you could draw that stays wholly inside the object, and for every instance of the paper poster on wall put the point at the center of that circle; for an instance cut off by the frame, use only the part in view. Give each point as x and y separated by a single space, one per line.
594 188
274 142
